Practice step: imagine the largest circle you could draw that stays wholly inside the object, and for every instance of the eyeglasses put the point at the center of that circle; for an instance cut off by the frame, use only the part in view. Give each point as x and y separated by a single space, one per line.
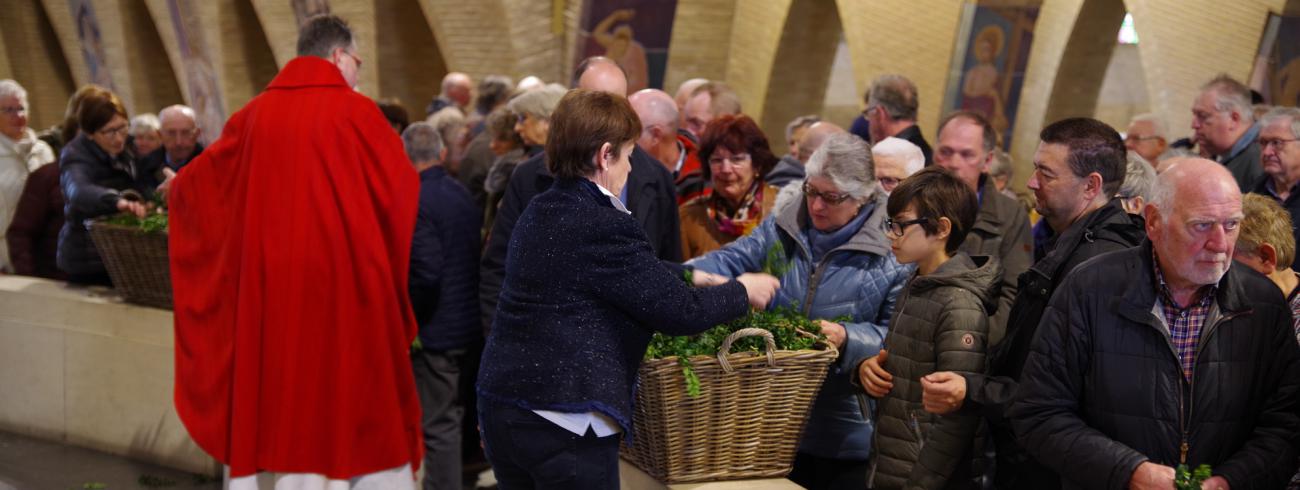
831 198
735 160
13 110
896 228
120 131
1274 142
888 182
354 58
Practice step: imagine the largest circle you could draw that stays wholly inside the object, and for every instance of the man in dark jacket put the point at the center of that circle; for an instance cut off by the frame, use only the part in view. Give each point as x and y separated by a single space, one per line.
1223 121
1166 354
967 143
1079 165
891 111
443 287
649 194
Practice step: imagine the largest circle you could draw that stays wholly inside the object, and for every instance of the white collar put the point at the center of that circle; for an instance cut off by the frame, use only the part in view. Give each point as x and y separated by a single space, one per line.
613 199
681 157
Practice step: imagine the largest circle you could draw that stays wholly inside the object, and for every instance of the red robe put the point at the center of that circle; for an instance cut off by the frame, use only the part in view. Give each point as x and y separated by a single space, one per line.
290 243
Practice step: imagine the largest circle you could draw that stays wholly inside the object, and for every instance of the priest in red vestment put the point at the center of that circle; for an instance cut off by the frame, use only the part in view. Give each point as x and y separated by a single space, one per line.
290 239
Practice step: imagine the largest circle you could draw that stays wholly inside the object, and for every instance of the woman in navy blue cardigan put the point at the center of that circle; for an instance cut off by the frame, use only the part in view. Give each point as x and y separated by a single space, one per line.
583 292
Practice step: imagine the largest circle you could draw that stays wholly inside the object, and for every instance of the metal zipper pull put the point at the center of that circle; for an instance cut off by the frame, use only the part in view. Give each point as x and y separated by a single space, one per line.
1182 457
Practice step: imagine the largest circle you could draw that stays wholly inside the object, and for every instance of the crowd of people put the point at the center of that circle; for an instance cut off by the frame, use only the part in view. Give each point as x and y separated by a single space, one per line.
509 255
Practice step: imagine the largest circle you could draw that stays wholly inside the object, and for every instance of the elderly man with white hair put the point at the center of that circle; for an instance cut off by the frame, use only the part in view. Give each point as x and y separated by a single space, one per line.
20 155
1279 142
896 159
1223 121
180 139
1166 354
457 91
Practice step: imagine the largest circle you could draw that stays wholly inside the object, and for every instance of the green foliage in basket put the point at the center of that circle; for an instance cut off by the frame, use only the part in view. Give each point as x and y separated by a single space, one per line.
784 323
154 221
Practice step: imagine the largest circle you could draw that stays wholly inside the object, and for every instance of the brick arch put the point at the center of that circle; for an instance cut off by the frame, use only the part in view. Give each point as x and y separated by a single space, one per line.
801 66
31 54
410 62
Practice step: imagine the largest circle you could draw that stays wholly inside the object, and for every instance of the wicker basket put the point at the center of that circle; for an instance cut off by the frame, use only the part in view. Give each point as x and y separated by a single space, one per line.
746 422
137 262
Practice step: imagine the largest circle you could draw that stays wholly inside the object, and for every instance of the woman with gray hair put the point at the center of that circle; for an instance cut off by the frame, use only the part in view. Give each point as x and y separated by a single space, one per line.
533 109
840 271
144 135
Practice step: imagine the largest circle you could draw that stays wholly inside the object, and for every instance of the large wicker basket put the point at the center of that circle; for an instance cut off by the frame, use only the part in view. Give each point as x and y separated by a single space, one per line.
137 262
746 422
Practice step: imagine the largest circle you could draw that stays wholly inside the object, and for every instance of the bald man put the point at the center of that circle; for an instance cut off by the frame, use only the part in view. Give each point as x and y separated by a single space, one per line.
457 91
660 138
1164 354
814 136
649 194
601 73
180 139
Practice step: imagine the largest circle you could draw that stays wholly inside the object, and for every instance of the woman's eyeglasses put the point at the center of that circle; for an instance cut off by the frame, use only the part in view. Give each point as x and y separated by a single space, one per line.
831 198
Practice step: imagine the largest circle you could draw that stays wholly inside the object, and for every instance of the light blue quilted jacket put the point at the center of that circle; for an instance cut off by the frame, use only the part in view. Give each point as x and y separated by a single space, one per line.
859 279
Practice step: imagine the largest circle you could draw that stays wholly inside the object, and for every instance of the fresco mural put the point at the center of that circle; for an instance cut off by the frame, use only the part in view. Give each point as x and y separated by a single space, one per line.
635 33
993 56
200 76
92 44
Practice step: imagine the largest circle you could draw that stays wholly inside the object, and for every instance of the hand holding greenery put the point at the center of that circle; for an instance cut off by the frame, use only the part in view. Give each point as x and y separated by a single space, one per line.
1185 480
153 222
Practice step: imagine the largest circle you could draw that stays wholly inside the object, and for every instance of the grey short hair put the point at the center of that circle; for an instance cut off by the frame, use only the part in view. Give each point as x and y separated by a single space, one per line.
846 160
1233 96
1158 125
177 110
422 142
1280 113
799 122
1001 164
539 102
144 123
896 94
905 151
448 122
11 88
1139 178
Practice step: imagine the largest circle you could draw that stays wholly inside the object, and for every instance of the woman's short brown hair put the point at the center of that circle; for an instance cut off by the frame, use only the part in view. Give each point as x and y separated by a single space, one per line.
97 108
583 122
738 134
936 193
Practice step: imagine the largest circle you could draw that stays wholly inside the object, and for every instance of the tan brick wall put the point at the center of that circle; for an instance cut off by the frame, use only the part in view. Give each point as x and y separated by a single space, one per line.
280 27
700 42
473 36
246 58
914 38
774 52
33 56
149 71
1186 43
409 59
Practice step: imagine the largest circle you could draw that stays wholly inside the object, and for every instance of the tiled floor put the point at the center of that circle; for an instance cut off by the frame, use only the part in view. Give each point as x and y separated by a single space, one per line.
35 464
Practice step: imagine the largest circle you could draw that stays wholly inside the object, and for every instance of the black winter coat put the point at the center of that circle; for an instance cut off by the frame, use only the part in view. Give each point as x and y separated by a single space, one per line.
1103 390
444 263
92 183
650 196
1105 229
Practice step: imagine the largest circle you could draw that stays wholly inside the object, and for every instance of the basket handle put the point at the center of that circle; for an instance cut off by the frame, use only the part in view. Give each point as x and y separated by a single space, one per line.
742 333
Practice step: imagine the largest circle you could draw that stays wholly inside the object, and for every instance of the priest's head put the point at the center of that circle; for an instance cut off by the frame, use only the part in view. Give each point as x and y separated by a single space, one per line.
329 37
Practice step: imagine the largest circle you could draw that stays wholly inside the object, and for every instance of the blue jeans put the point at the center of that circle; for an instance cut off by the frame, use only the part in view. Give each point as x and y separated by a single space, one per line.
530 452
